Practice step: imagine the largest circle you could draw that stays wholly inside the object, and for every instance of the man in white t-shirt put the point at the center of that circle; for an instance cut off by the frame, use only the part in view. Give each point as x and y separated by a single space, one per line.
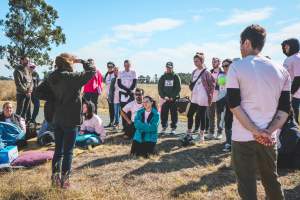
127 82
258 94
290 48
128 113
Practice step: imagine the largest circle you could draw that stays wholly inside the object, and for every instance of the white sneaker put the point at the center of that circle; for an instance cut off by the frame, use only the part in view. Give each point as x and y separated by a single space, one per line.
163 131
219 136
173 131
209 136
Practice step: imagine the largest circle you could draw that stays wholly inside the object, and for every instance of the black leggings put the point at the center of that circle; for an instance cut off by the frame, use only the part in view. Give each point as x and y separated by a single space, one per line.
200 116
142 149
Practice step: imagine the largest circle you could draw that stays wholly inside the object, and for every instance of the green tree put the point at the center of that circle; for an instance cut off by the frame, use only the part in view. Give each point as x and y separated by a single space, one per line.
30 27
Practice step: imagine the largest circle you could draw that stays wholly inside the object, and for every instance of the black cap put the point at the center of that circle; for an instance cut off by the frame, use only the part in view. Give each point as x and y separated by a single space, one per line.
169 64
110 65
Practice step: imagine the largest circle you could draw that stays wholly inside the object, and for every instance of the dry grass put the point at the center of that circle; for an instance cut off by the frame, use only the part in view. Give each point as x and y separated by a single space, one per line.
108 172
7 90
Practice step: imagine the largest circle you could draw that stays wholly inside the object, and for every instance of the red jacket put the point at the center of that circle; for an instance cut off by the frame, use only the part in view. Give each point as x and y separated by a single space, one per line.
94 85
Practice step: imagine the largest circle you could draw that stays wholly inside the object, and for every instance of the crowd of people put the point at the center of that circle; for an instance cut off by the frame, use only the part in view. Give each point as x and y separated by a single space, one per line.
249 98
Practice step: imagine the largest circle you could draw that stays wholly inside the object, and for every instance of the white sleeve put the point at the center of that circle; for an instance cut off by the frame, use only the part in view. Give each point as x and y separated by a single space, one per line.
100 129
23 124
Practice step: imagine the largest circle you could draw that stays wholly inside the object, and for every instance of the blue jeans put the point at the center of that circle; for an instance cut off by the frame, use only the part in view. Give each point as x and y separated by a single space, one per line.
64 144
117 112
296 105
36 107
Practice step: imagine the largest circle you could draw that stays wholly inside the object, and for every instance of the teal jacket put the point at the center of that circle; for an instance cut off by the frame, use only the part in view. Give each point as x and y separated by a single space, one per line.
169 85
146 132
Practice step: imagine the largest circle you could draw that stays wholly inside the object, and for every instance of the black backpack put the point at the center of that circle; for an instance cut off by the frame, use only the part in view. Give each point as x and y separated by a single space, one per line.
289 152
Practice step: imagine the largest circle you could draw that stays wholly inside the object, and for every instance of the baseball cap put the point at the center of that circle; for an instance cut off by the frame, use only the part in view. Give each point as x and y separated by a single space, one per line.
110 65
169 65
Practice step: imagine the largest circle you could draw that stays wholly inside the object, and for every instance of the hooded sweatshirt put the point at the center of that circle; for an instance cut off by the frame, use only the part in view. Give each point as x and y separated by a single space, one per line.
169 85
66 88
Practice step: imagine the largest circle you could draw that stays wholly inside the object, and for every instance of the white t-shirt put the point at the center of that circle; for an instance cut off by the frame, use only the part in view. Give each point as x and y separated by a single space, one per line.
146 116
199 95
132 107
292 64
261 82
126 80
108 79
95 125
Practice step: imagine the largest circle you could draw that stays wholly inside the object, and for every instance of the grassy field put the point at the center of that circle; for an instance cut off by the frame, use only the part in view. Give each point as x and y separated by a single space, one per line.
108 172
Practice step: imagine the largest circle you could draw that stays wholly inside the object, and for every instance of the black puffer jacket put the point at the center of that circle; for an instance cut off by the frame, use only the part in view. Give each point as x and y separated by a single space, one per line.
66 88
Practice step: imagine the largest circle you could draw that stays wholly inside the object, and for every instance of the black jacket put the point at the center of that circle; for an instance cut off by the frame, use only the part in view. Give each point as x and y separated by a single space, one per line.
66 88
23 80
44 92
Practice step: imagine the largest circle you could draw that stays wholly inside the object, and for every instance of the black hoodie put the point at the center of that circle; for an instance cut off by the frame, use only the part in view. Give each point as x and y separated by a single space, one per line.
66 88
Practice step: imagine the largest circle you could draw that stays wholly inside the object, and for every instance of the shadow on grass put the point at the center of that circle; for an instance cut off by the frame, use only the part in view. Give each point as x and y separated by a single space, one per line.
104 161
292 194
209 182
117 139
168 145
187 158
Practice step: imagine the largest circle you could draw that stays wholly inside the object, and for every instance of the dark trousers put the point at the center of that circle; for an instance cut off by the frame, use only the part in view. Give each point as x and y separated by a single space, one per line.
36 108
111 112
216 108
93 97
169 106
200 116
142 149
64 144
246 158
129 130
23 102
122 105
296 105
228 124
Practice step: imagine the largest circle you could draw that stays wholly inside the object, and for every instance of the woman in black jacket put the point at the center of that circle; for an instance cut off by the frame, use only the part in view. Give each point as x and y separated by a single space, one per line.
66 85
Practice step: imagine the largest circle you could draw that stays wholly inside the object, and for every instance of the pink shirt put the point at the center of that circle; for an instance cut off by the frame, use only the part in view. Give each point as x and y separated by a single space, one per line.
94 85
261 82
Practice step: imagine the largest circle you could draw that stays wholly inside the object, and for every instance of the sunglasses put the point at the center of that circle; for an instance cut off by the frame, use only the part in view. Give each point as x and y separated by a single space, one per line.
138 94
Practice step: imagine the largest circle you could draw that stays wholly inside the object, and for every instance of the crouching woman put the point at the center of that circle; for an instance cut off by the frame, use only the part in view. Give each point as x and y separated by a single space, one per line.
146 124
91 130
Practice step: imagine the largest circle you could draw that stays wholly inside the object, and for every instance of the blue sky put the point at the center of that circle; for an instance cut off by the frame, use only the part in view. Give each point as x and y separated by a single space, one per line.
150 33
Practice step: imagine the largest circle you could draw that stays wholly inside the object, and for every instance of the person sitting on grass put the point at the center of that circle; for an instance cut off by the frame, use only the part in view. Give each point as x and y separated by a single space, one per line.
146 124
10 117
129 111
92 123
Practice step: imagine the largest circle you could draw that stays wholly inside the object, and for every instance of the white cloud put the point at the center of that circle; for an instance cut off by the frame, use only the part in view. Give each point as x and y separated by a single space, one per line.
140 33
247 16
154 25
196 18
292 30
